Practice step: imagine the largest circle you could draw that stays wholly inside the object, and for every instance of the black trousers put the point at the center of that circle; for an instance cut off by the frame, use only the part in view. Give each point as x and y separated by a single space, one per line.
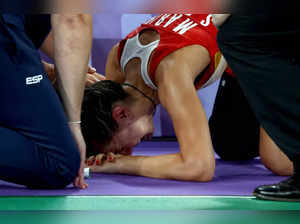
233 126
263 53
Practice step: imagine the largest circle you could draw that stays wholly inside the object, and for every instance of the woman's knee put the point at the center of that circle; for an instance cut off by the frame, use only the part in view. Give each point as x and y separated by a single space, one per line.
272 157
280 166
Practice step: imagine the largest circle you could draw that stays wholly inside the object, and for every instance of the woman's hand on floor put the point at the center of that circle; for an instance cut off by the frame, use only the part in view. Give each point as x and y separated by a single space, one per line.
104 163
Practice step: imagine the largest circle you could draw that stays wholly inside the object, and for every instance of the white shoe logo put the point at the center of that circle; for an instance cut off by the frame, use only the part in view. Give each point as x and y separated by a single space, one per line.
34 79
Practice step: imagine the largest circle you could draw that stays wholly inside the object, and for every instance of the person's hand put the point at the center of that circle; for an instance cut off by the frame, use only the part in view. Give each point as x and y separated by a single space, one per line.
104 163
92 76
99 159
76 131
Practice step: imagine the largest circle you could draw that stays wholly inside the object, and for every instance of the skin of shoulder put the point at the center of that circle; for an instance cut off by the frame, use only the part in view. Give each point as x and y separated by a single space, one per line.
113 69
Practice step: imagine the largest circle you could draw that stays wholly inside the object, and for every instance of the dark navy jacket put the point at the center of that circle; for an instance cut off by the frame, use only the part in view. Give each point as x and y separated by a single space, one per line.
36 26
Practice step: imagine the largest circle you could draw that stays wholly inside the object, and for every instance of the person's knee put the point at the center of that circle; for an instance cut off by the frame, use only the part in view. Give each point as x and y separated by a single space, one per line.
70 157
52 183
62 171
272 157
73 161
68 170
58 177
278 164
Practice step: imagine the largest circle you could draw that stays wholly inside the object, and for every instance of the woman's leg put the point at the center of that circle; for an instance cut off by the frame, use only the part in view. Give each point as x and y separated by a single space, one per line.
272 157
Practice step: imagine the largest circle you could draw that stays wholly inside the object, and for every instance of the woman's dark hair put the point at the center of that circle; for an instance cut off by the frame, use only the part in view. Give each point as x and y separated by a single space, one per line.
98 123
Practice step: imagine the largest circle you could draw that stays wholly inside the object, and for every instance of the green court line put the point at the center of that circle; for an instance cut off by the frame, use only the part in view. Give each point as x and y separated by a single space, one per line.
140 203
174 217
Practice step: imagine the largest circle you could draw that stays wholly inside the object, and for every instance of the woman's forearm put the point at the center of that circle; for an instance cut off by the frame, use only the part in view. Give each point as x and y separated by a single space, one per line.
170 166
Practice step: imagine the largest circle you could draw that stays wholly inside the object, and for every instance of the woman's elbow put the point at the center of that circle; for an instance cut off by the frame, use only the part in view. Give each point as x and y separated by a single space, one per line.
201 171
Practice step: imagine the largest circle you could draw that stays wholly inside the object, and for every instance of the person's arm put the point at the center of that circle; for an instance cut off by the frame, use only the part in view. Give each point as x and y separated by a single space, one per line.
177 94
72 36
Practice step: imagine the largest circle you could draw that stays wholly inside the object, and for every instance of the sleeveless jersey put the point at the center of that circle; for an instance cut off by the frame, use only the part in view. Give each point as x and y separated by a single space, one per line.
176 31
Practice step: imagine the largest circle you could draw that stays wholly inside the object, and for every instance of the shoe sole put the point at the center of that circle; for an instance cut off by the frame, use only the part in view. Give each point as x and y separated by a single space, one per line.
269 198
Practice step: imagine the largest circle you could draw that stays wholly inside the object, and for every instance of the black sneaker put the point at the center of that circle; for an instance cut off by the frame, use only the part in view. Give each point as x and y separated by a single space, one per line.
287 190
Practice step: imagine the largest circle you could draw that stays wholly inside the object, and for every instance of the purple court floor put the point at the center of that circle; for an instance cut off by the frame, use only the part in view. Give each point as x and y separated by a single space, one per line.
231 178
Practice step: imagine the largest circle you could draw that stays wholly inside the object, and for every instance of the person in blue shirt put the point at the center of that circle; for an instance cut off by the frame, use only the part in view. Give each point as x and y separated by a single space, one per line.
41 145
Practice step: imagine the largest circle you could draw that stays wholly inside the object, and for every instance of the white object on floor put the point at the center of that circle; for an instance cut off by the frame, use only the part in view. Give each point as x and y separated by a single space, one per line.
86 172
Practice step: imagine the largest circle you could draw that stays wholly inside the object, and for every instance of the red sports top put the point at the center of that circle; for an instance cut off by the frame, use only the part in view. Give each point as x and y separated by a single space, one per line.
180 30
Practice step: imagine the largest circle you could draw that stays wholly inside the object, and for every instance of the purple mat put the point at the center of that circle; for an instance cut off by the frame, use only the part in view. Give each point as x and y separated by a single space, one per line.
238 178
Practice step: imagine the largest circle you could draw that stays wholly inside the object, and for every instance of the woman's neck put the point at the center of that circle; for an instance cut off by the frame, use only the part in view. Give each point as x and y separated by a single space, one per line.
133 76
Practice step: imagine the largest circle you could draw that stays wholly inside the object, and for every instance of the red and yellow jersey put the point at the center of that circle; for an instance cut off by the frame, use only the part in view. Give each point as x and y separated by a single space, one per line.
177 31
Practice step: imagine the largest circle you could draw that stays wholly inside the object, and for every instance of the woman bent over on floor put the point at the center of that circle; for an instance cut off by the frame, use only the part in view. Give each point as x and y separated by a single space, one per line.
163 61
